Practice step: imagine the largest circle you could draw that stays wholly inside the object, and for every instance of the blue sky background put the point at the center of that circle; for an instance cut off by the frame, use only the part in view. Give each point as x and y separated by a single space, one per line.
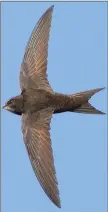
77 61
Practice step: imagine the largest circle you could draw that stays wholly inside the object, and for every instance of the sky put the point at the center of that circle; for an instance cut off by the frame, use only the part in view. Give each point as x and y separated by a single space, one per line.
77 61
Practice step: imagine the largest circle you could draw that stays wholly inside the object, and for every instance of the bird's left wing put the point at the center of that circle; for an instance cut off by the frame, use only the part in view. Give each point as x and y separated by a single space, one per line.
34 66
36 135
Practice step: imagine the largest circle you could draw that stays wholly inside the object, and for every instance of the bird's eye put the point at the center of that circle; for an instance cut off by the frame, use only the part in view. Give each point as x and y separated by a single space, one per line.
10 101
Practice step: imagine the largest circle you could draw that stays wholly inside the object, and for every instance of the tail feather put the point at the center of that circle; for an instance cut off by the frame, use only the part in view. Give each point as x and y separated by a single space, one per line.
87 108
78 102
88 93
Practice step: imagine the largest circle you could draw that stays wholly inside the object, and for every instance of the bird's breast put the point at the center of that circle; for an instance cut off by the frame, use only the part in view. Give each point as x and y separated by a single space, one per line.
35 100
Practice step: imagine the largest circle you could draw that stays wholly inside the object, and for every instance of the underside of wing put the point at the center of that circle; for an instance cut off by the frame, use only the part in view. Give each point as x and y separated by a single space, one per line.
36 135
34 66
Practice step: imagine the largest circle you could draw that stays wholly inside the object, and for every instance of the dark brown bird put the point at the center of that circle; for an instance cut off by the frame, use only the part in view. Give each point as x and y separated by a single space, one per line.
38 102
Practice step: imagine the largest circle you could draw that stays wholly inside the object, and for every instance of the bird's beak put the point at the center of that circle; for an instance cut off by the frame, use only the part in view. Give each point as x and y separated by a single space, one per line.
4 107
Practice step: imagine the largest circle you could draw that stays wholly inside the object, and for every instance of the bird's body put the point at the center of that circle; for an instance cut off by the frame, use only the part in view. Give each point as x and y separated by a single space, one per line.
34 100
38 102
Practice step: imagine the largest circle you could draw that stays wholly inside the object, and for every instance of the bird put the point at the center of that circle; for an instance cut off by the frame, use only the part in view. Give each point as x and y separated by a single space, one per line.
38 102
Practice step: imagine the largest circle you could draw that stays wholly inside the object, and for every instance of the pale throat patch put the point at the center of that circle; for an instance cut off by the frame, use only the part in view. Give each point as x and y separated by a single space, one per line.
9 108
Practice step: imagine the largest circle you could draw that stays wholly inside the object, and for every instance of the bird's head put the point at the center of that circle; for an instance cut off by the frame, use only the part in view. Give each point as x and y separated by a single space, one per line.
10 105
14 105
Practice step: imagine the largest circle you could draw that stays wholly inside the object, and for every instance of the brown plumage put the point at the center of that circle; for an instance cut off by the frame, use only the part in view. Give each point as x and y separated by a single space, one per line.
37 102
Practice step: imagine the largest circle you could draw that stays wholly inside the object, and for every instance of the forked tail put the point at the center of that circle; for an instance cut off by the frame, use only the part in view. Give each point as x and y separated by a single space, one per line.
87 107
78 102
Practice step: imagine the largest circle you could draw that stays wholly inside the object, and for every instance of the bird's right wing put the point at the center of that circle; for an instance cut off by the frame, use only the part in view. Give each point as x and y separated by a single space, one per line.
34 66
36 135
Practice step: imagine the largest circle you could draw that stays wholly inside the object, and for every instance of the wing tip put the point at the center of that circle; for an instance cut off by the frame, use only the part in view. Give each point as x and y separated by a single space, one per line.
50 9
100 89
58 203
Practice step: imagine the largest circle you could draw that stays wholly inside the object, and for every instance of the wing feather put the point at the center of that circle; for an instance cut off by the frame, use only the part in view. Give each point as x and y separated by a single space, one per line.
36 134
34 66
